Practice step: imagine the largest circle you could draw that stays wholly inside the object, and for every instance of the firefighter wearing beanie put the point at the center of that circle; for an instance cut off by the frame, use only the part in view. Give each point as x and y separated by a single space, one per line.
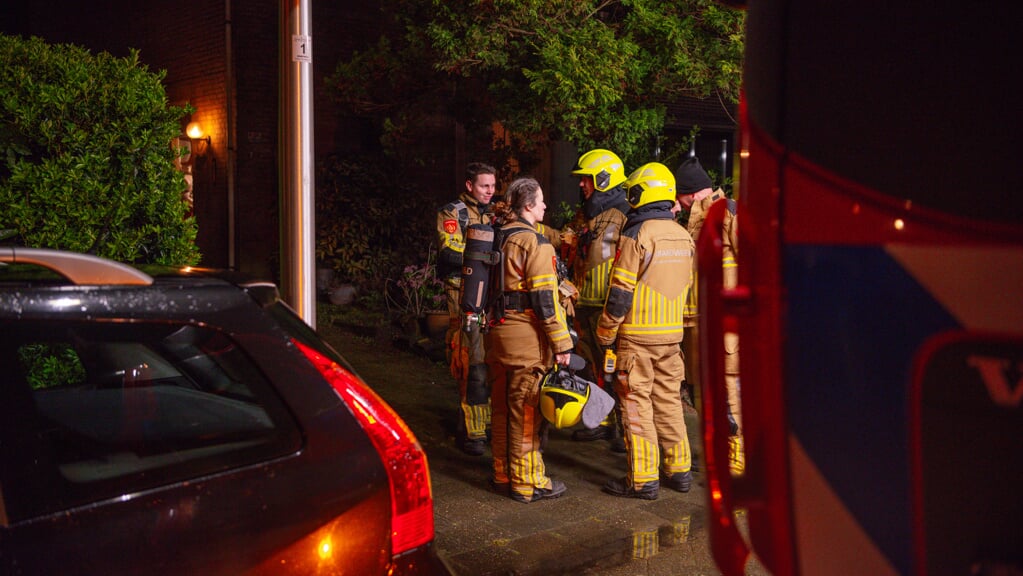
696 193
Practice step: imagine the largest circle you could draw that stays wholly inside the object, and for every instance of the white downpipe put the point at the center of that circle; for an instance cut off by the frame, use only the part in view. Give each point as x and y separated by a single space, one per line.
298 222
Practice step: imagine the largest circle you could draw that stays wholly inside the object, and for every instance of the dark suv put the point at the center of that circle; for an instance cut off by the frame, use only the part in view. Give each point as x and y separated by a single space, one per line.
186 421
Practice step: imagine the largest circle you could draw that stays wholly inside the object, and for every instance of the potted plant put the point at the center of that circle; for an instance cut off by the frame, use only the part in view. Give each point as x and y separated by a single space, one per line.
417 295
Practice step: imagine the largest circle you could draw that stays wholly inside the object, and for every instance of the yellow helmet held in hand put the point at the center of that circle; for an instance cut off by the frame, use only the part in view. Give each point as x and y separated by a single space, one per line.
562 398
604 166
650 183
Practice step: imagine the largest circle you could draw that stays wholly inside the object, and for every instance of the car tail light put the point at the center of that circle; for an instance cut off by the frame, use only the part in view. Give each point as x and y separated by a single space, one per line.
403 457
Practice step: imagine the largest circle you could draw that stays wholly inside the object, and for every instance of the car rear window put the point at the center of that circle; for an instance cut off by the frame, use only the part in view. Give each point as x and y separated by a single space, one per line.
96 410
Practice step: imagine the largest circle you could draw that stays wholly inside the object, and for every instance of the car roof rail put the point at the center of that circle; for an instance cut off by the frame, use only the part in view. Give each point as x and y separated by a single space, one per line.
81 269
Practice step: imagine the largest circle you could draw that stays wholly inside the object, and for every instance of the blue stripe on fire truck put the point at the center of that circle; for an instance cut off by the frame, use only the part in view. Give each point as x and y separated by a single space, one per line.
855 321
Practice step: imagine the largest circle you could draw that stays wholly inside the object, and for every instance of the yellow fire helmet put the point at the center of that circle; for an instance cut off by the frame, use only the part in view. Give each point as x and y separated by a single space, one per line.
650 183
562 397
606 168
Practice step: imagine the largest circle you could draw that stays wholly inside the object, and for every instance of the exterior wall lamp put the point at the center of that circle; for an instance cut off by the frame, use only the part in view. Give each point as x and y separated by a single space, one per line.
200 140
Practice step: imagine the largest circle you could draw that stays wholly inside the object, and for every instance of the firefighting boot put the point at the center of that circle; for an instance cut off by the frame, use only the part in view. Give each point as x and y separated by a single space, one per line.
679 481
624 488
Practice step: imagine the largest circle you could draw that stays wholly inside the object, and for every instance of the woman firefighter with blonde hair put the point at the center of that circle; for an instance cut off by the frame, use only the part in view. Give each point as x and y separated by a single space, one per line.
524 345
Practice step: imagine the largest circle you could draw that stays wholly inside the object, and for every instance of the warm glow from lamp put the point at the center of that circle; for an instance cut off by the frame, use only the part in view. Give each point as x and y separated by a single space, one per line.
194 131
202 140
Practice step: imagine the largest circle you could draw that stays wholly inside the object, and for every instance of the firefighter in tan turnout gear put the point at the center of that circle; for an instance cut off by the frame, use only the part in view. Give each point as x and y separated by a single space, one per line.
601 177
465 352
643 318
522 346
695 193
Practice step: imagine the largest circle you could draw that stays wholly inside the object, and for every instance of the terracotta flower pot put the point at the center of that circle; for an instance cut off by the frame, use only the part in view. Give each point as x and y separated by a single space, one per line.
436 324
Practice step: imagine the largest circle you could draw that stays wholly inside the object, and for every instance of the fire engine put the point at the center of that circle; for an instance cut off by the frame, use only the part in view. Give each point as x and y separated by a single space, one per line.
880 298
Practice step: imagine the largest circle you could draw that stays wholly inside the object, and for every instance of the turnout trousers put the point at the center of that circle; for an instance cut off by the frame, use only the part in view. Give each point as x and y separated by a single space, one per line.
586 325
648 383
586 320
517 357
467 361
736 451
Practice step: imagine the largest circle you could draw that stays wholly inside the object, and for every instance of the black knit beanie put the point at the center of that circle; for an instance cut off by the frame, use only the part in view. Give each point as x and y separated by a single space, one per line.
690 177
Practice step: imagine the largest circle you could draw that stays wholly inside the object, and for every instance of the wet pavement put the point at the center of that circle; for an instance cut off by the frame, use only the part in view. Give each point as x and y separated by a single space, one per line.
586 531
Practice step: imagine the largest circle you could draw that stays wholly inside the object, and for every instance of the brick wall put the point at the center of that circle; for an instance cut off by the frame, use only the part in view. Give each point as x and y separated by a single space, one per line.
186 39
256 88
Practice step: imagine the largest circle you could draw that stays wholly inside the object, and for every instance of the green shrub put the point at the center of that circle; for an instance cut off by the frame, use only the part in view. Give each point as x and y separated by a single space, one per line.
85 156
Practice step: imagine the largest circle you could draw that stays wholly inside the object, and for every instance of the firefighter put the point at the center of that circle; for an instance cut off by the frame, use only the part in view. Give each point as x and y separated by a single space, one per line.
530 337
643 319
601 178
696 194
465 353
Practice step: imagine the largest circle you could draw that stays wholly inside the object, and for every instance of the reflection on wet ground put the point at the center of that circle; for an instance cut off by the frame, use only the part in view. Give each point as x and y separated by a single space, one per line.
586 531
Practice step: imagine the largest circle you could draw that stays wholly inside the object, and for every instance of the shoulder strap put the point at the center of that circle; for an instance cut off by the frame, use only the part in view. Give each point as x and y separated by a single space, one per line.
495 302
463 215
504 235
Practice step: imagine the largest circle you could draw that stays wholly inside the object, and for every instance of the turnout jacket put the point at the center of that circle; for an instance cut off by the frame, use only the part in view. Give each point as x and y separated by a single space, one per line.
452 220
729 233
697 214
646 296
528 267
606 217
729 250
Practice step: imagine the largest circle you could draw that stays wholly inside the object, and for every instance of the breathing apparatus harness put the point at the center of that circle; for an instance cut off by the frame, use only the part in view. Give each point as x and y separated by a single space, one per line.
483 301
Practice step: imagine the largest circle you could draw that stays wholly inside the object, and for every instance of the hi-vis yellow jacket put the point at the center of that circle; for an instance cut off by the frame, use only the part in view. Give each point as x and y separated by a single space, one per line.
646 298
593 273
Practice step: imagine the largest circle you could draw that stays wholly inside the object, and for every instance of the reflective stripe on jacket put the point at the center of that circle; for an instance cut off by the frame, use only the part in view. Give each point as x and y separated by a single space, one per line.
529 268
452 220
646 296
595 272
